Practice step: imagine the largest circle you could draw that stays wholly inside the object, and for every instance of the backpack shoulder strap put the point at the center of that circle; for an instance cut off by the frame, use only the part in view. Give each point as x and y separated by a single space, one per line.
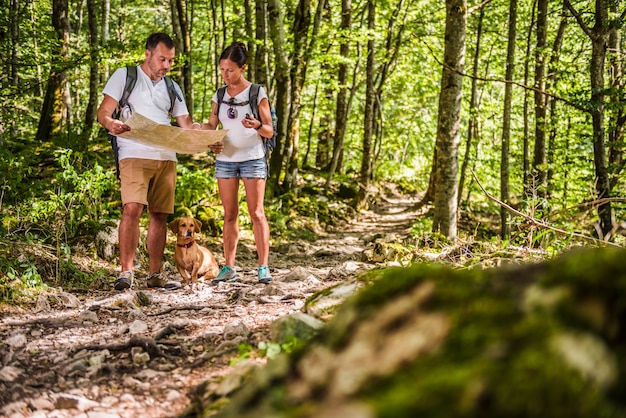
220 97
171 90
131 79
254 100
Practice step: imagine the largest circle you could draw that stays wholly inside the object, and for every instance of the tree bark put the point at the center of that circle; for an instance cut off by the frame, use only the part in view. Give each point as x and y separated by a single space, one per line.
539 156
368 117
261 52
184 45
551 102
447 144
506 120
617 117
599 35
299 61
54 110
341 108
94 75
281 77
472 123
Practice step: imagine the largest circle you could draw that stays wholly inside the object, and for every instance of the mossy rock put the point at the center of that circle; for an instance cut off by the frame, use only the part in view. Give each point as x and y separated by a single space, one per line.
538 340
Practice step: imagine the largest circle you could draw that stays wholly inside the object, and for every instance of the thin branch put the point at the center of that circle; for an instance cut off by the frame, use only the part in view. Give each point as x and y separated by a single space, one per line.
536 222
515 83
478 7
579 19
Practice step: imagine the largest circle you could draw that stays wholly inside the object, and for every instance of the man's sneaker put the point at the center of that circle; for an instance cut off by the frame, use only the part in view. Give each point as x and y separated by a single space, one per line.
264 274
159 280
124 280
227 274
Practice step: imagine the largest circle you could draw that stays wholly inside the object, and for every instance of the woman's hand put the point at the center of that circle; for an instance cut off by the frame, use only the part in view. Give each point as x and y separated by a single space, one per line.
250 122
217 147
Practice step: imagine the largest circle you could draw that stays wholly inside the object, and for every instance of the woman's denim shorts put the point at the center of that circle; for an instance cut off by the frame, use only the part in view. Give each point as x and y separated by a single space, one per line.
253 169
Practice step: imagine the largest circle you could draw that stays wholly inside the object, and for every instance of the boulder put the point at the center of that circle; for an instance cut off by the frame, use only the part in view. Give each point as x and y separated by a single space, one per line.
537 340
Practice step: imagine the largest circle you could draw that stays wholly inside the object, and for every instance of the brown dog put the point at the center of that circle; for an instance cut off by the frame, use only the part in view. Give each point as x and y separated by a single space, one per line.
192 260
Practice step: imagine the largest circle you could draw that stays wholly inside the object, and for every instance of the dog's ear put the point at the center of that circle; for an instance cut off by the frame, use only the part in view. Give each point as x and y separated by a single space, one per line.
198 225
174 225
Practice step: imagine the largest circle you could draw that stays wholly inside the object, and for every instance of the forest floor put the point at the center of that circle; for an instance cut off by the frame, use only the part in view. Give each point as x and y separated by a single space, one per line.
140 353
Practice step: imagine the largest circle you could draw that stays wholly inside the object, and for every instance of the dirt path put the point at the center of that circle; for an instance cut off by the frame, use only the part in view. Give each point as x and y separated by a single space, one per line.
139 353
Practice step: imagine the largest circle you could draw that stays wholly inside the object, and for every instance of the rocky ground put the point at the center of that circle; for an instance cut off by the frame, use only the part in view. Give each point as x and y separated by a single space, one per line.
141 353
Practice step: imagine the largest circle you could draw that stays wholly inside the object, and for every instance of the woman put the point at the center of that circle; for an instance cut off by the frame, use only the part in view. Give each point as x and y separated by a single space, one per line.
243 158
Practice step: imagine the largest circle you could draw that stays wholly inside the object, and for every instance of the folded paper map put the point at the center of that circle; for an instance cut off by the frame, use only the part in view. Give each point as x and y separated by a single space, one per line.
171 138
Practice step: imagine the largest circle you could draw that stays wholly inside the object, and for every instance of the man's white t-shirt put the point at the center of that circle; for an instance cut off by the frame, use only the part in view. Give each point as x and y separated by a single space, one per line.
240 143
150 99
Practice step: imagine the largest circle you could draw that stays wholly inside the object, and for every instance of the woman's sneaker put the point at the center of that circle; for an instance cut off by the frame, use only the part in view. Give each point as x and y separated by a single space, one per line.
160 280
124 280
264 274
227 274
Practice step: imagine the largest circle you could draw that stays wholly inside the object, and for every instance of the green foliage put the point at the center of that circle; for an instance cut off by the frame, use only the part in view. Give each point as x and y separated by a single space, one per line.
271 350
245 351
20 283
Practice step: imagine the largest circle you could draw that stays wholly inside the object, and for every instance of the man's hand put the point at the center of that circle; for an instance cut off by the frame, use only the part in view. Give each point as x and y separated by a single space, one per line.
117 127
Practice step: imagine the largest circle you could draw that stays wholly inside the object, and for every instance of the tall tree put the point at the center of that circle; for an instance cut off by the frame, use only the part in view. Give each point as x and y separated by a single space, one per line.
448 123
94 73
282 79
617 117
551 102
341 107
472 123
539 156
599 35
181 23
55 107
261 70
526 113
301 23
506 119
365 173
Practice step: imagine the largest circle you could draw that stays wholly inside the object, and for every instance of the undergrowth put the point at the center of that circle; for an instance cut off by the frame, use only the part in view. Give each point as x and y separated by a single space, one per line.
53 202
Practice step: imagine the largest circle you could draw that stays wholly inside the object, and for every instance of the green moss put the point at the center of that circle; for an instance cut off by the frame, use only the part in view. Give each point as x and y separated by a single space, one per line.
500 354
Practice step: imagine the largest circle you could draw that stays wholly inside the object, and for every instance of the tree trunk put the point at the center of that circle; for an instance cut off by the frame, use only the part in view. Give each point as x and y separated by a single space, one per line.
281 76
552 103
526 121
54 110
184 45
261 72
92 104
539 158
445 216
472 124
506 120
617 118
599 36
368 117
341 109
299 61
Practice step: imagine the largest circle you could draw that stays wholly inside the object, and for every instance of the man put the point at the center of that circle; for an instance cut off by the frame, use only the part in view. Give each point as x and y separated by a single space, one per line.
147 174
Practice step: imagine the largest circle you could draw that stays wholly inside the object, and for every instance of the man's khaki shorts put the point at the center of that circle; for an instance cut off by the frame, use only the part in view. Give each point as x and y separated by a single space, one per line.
149 182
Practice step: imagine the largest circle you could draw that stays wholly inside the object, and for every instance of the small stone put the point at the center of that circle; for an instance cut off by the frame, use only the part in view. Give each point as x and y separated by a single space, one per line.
68 401
16 340
235 329
137 327
141 358
173 395
9 373
88 317
42 404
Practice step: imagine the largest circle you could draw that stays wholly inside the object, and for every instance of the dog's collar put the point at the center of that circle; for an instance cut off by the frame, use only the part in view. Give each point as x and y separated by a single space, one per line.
189 244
